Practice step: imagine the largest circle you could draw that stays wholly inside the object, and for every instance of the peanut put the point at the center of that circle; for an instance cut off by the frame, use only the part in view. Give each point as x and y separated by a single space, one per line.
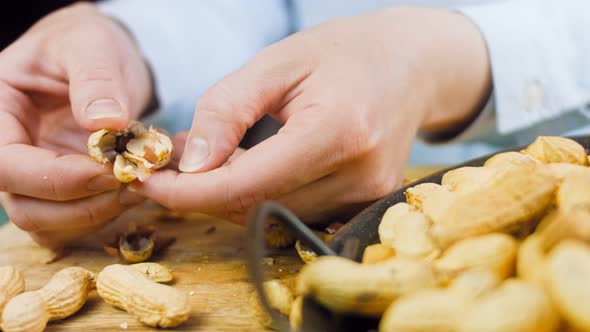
407 232
574 191
436 309
495 252
12 283
531 260
431 199
567 274
513 306
344 286
61 297
511 159
153 304
377 253
561 170
515 196
564 224
136 152
305 253
553 149
426 310
296 314
475 282
467 179
279 297
278 236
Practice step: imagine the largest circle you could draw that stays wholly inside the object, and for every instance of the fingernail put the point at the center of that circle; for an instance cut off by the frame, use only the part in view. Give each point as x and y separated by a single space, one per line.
103 183
195 155
103 109
127 197
133 187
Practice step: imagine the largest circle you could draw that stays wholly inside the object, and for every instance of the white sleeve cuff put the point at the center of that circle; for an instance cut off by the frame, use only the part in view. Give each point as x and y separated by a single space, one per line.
539 51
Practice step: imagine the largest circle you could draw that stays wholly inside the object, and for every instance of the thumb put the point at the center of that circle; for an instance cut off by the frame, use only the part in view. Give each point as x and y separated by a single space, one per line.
230 107
108 80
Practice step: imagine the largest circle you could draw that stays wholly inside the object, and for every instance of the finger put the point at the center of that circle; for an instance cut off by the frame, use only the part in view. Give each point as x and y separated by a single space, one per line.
270 169
179 143
35 215
225 111
109 83
36 172
58 239
44 174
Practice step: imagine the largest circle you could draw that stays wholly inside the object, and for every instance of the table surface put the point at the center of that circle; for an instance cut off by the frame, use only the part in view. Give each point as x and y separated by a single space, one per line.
207 260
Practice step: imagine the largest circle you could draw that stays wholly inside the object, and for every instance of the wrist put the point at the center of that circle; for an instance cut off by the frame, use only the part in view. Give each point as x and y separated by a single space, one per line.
449 65
462 71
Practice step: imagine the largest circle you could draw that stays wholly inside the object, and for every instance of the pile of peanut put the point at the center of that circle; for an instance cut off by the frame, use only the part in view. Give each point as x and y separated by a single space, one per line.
502 247
133 288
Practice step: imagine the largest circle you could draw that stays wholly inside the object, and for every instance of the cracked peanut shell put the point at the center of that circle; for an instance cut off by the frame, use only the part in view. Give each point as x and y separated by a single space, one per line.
135 152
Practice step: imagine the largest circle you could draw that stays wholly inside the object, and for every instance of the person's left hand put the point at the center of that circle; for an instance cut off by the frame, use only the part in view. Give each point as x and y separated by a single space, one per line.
352 93
75 71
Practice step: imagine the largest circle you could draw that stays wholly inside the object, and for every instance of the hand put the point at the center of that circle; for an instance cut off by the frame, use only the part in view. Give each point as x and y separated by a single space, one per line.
352 93
73 72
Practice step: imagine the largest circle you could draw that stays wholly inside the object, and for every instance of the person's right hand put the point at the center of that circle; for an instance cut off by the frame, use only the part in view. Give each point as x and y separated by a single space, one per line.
73 72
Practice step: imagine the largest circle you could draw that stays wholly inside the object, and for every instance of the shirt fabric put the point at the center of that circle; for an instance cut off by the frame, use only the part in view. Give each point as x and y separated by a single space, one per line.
539 52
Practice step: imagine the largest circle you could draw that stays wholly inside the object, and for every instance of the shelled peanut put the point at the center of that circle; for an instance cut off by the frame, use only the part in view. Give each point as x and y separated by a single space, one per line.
501 247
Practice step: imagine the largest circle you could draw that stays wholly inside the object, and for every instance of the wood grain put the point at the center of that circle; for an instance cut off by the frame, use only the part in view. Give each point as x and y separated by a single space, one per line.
208 264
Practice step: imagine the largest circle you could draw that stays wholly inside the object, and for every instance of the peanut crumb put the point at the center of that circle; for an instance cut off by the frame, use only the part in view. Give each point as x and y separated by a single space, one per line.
124 326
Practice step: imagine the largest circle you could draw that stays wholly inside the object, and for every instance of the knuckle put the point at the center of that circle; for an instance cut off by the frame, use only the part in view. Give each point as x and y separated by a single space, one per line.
239 201
381 186
99 72
94 217
53 183
172 199
357 139
221 103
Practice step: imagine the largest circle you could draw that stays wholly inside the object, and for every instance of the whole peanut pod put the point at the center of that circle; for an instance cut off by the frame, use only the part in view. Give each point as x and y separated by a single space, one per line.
567 271
345 286
437 309
153 304
12 283
495 252
406 230
513 306
514 197
61 297
467 179
554 149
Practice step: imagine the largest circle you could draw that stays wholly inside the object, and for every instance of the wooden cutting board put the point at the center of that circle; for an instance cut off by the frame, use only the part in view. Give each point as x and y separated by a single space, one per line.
207 260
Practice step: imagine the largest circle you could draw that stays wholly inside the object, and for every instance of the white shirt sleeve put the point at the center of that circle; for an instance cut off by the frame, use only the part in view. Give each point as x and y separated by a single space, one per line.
191 44
540 57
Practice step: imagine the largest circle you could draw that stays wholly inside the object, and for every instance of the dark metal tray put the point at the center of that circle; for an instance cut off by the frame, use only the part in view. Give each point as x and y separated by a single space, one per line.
350 242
